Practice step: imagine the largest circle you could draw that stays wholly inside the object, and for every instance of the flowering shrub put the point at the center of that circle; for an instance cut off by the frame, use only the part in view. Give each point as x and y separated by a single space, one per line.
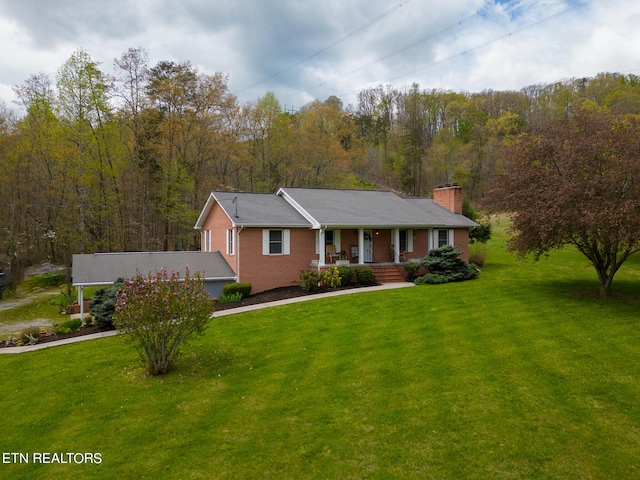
331 278
309 279
159 313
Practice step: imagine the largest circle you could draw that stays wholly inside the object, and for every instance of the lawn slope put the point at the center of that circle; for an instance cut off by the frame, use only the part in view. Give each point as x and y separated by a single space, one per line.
521 373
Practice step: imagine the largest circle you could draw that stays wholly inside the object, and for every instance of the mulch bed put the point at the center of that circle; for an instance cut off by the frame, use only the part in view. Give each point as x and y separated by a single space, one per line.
281 293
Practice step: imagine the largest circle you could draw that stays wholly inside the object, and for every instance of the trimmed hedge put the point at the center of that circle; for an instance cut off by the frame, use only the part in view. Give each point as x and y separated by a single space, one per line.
243 288
365 276
347 274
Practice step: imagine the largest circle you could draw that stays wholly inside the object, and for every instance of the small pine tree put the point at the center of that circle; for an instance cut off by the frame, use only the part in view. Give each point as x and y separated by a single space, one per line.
445 262
103 304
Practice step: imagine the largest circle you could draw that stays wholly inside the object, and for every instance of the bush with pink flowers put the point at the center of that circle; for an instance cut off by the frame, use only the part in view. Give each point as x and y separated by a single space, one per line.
159 313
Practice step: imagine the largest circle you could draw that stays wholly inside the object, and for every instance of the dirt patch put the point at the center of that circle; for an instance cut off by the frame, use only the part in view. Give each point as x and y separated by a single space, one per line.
9 304
15 329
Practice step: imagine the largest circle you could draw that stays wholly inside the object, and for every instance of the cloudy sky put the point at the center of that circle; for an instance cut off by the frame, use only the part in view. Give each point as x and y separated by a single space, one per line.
303 49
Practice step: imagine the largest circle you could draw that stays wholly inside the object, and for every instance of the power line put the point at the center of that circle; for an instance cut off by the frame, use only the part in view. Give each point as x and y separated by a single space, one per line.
423 39
465 52
331 45
500 38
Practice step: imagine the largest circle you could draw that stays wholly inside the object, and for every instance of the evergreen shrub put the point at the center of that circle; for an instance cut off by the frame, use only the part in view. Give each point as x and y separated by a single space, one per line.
411 270
243 288
347 275
365 276
103 304
445 262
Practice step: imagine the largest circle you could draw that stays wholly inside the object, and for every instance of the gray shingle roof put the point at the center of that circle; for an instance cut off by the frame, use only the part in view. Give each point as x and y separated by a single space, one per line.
255 210
315 208
369 208
438 216
105 268
352 208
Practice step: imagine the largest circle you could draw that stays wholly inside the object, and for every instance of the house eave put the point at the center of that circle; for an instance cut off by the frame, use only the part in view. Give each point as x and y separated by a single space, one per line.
315 225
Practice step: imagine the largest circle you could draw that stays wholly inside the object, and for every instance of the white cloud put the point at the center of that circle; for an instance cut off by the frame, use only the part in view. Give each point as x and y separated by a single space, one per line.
307 50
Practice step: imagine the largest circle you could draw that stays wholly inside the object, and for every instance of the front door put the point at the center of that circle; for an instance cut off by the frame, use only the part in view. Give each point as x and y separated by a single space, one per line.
368 246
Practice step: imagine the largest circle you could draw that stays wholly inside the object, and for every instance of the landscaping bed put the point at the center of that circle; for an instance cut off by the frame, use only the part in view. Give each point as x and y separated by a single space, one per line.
281 293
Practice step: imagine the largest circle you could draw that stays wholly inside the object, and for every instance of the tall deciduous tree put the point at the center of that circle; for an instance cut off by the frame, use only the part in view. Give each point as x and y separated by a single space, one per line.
575 181
85 112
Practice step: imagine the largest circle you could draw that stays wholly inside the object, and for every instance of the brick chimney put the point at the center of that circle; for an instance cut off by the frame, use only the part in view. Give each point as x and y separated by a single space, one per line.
449 197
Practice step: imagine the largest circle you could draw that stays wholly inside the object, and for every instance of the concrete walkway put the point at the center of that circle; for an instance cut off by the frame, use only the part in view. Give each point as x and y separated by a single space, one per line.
304 298
221 313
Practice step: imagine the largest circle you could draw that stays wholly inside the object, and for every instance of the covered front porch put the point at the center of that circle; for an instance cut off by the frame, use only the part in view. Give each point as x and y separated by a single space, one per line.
371 246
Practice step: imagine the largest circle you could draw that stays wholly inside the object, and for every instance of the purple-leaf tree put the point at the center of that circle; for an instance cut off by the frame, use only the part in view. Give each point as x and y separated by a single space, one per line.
575 181
159 313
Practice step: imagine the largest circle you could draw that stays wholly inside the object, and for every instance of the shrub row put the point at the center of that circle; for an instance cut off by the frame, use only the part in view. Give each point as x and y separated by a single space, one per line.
336 277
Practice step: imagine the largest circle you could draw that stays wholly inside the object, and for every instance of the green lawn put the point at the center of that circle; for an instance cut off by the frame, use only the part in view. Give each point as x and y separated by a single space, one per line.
521 373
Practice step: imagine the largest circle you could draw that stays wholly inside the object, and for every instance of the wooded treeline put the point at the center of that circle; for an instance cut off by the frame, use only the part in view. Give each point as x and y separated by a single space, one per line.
124 161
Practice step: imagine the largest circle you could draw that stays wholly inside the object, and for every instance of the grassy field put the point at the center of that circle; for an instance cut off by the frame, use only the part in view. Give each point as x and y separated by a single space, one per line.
521 373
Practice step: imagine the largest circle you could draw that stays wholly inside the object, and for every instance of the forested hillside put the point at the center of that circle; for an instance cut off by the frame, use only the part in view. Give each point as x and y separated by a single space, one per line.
123 160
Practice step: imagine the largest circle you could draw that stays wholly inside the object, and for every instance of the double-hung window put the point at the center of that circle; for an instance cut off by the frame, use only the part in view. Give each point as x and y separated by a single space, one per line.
403 241
230 242
275 242
444 237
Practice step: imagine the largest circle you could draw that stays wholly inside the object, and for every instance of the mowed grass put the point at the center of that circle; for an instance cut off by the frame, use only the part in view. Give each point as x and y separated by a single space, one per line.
521 373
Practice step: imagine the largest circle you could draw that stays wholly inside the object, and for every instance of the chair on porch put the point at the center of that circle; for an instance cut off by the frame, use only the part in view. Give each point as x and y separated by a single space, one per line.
354 253
332 255
402 256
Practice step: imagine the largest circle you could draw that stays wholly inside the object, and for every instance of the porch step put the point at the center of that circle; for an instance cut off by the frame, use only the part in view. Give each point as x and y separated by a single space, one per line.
389 273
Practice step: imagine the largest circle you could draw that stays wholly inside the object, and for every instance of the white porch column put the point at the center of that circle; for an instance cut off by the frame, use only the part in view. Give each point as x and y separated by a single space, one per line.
361 246
396 245
81 301
321 248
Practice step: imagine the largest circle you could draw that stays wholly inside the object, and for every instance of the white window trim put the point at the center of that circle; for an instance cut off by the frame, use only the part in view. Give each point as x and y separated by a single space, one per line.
336 240
207 241
286 242
231 241
436 237
409 238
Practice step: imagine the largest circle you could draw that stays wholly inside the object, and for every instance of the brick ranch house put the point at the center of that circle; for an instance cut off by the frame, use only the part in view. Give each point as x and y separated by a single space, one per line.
266 239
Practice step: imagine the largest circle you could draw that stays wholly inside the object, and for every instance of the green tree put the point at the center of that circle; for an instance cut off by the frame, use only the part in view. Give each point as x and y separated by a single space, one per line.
86 116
